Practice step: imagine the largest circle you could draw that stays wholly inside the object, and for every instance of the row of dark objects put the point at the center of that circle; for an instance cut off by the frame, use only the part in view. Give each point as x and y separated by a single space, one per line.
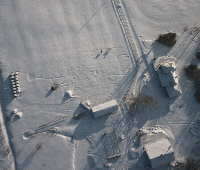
193 73
14 79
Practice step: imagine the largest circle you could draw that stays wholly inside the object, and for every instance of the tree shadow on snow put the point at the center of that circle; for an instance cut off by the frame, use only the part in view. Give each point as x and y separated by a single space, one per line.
153 102
159 49
87 124
6 90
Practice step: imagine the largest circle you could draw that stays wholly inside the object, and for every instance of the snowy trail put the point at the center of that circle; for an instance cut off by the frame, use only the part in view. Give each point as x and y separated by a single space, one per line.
134 47
74 155
133 78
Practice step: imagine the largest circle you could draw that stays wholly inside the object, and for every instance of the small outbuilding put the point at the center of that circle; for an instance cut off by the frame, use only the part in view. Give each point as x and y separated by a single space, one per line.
105 108
159 152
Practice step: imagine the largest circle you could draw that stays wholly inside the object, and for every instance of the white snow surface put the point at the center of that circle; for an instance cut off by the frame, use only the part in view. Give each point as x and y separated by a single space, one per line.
80 45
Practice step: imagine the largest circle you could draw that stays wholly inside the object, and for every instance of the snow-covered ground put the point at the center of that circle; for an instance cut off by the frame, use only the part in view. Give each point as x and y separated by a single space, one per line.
100 50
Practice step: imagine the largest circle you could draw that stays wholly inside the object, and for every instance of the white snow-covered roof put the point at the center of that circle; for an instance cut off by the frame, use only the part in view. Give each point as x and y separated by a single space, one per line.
158 148
104 108
159 152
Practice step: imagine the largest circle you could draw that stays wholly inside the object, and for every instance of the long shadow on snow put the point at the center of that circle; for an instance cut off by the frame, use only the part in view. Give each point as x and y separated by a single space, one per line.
159 49
154 103
138 118
87 126
6 98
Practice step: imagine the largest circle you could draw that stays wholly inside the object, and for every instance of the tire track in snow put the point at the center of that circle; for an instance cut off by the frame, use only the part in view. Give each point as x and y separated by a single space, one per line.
133 46
133 77
74 156
184 42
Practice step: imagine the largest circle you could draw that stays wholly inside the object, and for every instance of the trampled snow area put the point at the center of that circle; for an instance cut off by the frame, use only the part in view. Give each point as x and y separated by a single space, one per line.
99 50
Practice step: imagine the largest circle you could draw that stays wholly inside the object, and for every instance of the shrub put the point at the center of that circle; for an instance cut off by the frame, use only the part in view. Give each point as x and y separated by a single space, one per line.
168 39
133 102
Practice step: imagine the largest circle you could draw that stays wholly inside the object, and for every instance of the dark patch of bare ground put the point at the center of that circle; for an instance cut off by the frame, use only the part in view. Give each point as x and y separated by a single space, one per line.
189 164
143 100
193 74
4 149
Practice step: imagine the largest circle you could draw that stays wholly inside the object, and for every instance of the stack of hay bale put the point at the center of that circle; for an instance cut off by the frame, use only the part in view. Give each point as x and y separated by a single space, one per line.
14 78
